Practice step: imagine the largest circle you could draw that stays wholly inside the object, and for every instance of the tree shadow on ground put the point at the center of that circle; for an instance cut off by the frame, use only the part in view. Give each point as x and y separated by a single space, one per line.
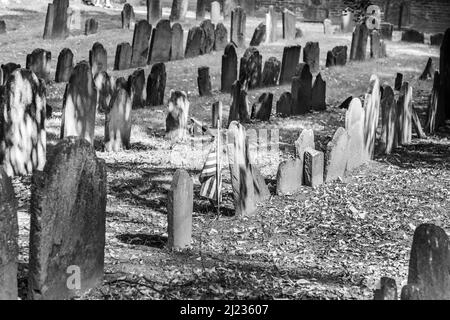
140 239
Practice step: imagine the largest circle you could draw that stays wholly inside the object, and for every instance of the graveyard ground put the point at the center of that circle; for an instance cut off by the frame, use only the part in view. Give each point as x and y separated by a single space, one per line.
332 242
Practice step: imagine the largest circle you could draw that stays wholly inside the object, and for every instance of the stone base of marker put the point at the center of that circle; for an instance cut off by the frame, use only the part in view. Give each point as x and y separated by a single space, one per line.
313 168
204 81
289 177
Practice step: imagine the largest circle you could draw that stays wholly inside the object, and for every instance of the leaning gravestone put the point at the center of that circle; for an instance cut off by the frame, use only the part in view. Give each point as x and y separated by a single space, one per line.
271 25
291 57
444 90
259 36
354 124
289 177
204 81
318 94
359 42
128 17
91 26
238 26
67 228
208 27
428 72
304 141
388 121
239 109
56 20
288 18
79 104
301 89
49 19
23 145
176 49
372 114
156 85
136 83
104 86
98 58
220 37
313 168
161 42
262 108
177 117
250 68
285 104
64 66
179 210
118 120
141 43
271 72
404 114
414 36
311 56
435 116
336 156
39 62
122 60
229 68
195 42
9 230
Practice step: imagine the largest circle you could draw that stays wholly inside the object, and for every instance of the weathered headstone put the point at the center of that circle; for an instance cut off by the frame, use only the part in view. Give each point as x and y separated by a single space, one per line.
118 120
195 42
141 43
128 16
387 290
201 8
177 117
262 108
372 114
311 56
67 228
56 20
9 230
204 81
304 141
98 58
313 168
156 85
291 57
289 177
136 83
359 42
301 89
327 26
154 11
285 104
104 85
215 12
436 39
8 69
259 36
404 114
238 27
271 72
354 124
318 94
271 25
398 81
122 60
375 45
39 62
386 31
216 110
388 139
298 33
288 18
176 50
49 19
23 143
220 37
444 88
412 35
64 66
229 68
79 104
91 26
250 68
239 109
179 210
177 12
161 42
208 27
336 156
337 56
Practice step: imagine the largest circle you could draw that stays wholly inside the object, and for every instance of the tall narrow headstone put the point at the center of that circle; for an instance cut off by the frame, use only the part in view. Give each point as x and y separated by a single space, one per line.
301 90
375 45
347 23
98 58
250 68
215 12
136 83
238 27
64 66
288 18
271 25
239 109
336 156
318 94
208 27
359 42
372 115
141 43
204 81
435 116
229 68
404 114
122 60
161 42
444 90
56 20
128 16
388 121
398 81
177 49
156 85
220 37
291 57
313 168
177 12
154 11
311 56
354 124
217 111
201 8
49 19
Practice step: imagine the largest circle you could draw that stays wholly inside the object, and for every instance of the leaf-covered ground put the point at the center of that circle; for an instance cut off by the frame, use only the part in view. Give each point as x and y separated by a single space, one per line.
332 242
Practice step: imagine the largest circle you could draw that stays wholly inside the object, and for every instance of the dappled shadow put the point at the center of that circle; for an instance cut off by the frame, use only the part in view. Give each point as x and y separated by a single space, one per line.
140 239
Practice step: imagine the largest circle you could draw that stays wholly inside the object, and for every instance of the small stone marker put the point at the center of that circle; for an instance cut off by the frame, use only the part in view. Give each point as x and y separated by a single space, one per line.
250 68
386 30
285 104
372 115
208 27
388 138
327 26
91 26
204 81
177 49
387 291
141 43
136 82
259 36
238 27
118 121
239 109
220 37
179 210
195 42
67 229
410 292
39 62
229 68
436 39
398 81
271 72
215 12
336 156
404 114
304 141
291 57
318 94
64 66
161 42
217 110
156 85
289 177
177 117
262 109
271 25
311 56
288 18
301 90
104 86
122 60
313 168
359 42
414 36
98 58
128 17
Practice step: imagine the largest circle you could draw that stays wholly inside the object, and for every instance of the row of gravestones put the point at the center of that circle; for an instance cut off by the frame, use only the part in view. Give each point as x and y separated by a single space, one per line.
414 36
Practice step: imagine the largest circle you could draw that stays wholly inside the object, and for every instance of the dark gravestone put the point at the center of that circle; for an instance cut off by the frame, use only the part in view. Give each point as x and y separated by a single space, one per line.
429 263
216 113
288 18
39 62
388 139
313 168
200 12
177 117
359 42
229 68
122 60
118 120
104 87
444 90
154 10
375 45
98 58
49 19
136 83
239 109
176 12
91 26
271 72
79 104
179 210
262 108
285 104
289 177
387 290
404 114
67 228
249 7
8 69
291 57
337 56
23 145
298 33
428 72
238 26
56 20
176 50
220 37
301 90
204 81
336 156
259 36
411 35
128 17
64 66
161 42
398 81
156 85
436 39
433 112
141 43
318 94
9 230
250 68
208 28
386 30
346 103
311 56
2 27
195 42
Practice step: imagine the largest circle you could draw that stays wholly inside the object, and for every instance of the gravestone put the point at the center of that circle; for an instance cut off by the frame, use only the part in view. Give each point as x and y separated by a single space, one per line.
176 51
435 117
336 156
98 58
178 11
208 27
262 108
204 81
195 42
386 30
128 17
220 37
444 91
215 12
104 85
291 57
285 104
271 72
154 11
229 68
259 36
298 33
49 19
414 36
239 109
346 103
404 114
271 25
141 43
387 290
304 141
201 8
318 94
8 69
388 121
359 42
347 23
375 45
337 57
161 42
250 68
327 26
56 20
136 83
313 168
9 230
311 56
91 26
410 292
177 117
372 115
23 143
301 90
398 81
436 39
238 27
2 27
39 62
156 85
122 60
354 124
289 177
288 18
79 104
428 72
216 110
64 66
118 120
67 224
179 210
